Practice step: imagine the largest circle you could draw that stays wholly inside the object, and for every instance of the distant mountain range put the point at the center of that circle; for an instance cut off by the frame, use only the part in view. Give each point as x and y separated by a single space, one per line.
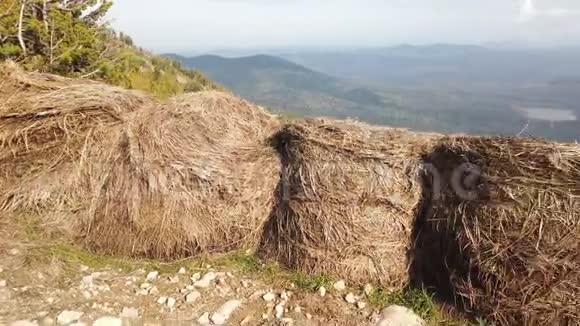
444 88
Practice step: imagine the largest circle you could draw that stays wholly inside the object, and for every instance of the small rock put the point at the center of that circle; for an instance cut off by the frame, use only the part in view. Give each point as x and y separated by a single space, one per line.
245 283
195 277
190 287
284 295
230 275
153 291
50 300
14 252
339 286
23 323
361 305
192 297
84 268
162 300
287 321
86 294
152 276
171 302
68 317
145 286
204 319
308 316
108 321
297 309
265 316
174 279
206 280
368 289
279 311
129 313
224 312
399 316
322 291
268 297
350 298
2 283
182 270
1 269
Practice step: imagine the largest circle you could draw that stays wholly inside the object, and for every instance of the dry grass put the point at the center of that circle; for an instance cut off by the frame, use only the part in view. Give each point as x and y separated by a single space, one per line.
509 250
347 200
128 175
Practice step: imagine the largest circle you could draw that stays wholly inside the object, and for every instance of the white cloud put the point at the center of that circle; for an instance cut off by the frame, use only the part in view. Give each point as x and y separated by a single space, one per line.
529 11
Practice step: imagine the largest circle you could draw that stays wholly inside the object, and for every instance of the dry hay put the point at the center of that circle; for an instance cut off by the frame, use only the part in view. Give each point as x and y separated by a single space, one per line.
509 237
194 175
347 200
130 176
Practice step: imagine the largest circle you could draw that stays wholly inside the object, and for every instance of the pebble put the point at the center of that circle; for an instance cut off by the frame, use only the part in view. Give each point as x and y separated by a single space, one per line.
368 289
246 320
297 309
350 298
182 270
174 279
145 286
50 300
23 323
361 305
129 313
162 300
285 295
268 297
192 297
339 286
195 277
108 321
399 316
322 291
206 280
152 276
279 311
14 252
68 317
308 316
47 321
171 302
245 283
2 283
221 316
153 291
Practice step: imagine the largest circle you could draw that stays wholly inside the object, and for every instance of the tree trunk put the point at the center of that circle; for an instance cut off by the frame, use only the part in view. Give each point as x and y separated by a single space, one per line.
20 22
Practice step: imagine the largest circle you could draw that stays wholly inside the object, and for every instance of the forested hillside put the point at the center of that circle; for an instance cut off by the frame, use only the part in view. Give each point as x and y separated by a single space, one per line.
72 38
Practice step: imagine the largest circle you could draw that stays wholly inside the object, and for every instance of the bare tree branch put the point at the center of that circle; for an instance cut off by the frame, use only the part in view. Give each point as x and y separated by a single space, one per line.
20 22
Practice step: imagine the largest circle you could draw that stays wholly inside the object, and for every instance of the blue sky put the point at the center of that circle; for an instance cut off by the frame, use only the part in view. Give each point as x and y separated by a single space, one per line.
206 25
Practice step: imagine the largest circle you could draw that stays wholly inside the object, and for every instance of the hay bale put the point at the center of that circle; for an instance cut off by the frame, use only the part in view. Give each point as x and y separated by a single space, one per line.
195 175
52 131
128 175
507 227
347 201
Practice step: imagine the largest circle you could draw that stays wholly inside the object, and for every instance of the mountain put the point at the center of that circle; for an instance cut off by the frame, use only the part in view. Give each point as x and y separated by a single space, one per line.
441 87
281 84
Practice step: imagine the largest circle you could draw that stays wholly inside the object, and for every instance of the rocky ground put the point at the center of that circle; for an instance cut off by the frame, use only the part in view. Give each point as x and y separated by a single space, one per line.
48 282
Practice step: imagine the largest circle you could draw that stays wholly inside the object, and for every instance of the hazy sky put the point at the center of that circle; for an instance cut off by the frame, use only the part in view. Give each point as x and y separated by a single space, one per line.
205 25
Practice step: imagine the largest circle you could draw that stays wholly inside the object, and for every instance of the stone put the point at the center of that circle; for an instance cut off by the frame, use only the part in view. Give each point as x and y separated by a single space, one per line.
2 283
284 295
230 275
174 279
279 311
361 305
204 319
245 283
68 317
47 321
162 300
221 316
14 252
246 321
145 286
108 321
268 297
206 280
350 298
308 316
399 316
368 289
287 321
23 323
195 277
339 286
153 291
129 313
192 297
182 270
297 309
152 276
171 302
322 291
50 300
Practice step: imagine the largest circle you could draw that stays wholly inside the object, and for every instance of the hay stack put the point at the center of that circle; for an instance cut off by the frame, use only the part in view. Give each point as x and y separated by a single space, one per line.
347 200
194 175
128 175
53 130
510 236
